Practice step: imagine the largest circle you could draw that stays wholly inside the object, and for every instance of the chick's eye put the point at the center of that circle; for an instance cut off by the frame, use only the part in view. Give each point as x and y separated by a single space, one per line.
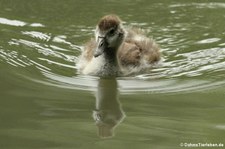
112 32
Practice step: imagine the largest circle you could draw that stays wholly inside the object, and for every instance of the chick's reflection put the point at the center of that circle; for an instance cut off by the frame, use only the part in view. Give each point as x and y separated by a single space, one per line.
108 113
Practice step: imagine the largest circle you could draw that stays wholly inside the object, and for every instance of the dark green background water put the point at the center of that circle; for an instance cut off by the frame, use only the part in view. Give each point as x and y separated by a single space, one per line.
45 104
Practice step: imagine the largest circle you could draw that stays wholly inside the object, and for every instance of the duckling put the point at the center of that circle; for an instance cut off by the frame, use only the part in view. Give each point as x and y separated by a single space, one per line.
117 51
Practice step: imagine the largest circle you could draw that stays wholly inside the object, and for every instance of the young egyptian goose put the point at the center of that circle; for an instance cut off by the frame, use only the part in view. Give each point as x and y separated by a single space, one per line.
116 51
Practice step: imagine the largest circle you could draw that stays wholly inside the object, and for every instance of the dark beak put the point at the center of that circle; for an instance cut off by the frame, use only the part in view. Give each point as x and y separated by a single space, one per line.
101 45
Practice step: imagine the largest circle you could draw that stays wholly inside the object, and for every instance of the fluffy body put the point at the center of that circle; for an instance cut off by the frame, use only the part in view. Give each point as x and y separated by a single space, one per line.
117 51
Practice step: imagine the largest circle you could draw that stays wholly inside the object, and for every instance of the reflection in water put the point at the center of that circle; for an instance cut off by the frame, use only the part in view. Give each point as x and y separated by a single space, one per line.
108 113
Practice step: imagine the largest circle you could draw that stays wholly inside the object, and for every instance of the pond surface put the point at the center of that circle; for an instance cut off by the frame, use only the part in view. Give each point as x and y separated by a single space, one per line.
45 103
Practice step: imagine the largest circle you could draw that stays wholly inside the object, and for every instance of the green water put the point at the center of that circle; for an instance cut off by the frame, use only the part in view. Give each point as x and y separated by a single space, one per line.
45 104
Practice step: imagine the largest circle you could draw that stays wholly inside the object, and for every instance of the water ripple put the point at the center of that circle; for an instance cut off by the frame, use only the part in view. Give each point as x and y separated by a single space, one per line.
210 40
212 5
12 22
129 85
187 56
18 23
38 35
